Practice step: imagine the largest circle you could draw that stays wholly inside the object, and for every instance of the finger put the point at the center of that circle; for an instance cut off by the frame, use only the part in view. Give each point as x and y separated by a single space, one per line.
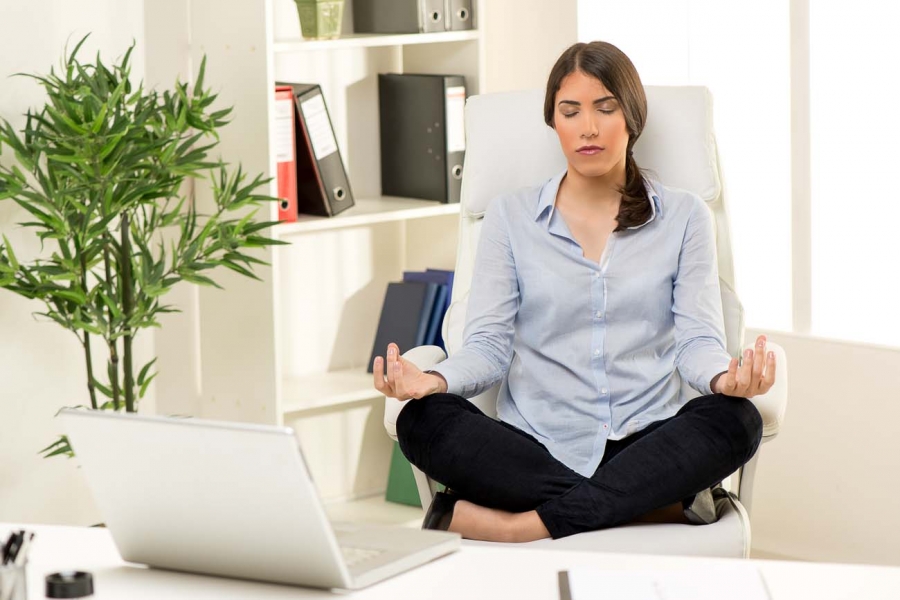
378 373
399 384
769 378
744 373
391 361
731 376
759 362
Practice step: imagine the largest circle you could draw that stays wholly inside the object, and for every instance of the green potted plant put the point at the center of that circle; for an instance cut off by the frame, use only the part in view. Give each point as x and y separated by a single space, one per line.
104 170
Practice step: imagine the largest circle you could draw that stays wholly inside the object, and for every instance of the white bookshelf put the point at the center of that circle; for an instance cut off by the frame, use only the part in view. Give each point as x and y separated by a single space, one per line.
330 389
293 348
369 211
364 40
375 510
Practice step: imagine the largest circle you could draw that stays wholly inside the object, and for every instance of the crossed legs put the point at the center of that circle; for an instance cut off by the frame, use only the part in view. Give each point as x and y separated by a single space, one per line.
514 490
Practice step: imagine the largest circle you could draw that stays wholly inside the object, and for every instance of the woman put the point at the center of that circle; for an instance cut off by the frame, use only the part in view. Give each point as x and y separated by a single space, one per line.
593 296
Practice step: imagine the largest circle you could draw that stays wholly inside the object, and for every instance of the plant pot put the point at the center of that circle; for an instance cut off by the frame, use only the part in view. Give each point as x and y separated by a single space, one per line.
320 19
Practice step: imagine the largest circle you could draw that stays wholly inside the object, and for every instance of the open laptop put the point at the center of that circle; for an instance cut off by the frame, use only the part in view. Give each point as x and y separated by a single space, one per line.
230 499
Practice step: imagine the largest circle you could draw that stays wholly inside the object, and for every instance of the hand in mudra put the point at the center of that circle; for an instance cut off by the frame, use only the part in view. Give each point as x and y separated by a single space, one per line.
754 377
403 380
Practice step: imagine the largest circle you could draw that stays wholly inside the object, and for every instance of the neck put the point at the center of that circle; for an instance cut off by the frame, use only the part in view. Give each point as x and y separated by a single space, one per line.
600 192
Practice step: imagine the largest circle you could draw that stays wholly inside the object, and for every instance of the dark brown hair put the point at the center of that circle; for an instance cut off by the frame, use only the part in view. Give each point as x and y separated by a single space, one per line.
617 73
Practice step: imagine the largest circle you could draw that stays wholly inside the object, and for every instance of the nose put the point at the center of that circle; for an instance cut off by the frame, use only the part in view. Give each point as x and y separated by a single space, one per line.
591 128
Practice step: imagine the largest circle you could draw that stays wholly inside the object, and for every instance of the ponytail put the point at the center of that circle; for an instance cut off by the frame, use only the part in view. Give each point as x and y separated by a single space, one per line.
635 206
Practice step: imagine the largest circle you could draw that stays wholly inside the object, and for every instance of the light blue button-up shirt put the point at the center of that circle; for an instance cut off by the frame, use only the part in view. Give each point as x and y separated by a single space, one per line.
588 352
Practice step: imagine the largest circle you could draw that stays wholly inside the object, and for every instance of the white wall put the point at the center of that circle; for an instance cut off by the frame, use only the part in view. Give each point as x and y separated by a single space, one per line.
41 366
520 43
827 486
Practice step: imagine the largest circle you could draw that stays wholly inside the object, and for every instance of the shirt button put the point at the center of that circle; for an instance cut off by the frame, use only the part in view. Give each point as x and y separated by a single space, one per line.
596 353
602 390
605 426
596 274
599 314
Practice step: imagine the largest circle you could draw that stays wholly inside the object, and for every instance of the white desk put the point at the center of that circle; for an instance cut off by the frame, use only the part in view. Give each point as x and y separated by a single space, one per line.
472 573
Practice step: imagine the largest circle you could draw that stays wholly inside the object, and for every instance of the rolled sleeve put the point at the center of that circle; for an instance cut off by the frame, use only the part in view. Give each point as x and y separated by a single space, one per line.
697 304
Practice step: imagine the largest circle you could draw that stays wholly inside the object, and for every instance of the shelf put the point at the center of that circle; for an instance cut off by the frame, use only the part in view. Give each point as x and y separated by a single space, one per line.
328 390
368 211
369 40
375 510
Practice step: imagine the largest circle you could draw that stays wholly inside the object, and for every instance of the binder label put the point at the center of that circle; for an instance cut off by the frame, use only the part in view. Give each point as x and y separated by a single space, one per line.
456 119
284 130
319 126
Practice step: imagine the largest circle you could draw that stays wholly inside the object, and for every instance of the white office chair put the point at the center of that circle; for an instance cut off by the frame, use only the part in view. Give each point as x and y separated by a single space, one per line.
679 148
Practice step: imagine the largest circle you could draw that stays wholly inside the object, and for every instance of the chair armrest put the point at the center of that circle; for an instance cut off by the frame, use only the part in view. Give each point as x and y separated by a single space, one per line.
424 357
772 404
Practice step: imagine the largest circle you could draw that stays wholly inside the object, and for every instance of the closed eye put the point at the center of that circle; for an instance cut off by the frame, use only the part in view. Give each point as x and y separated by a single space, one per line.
605 112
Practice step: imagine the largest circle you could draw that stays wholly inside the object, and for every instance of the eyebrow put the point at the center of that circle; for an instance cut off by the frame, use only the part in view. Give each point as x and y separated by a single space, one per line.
597 101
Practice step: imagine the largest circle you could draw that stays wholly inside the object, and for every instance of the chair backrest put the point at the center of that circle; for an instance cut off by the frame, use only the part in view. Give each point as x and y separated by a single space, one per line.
677 146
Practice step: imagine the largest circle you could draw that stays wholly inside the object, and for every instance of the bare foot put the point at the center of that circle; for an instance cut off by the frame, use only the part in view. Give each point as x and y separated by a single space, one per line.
673 513
476 522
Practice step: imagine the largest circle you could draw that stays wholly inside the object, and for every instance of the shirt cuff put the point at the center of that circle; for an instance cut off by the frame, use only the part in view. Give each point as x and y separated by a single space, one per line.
707 374
454 386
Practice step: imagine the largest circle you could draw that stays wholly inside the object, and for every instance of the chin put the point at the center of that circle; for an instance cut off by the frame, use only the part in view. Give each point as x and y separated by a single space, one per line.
590 170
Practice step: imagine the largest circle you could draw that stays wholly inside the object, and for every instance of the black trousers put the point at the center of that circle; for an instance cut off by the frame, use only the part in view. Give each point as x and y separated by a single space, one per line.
496 465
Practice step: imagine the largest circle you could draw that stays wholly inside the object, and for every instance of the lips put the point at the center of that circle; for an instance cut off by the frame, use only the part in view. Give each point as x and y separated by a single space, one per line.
589 150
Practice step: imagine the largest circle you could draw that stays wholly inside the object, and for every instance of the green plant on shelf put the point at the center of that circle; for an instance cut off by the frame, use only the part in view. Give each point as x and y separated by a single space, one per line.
104 171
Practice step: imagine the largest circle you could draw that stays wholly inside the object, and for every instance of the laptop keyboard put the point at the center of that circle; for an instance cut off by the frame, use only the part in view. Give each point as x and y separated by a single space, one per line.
354 556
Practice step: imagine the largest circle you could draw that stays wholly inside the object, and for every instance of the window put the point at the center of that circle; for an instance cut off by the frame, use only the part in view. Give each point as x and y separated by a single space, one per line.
742 53
854 133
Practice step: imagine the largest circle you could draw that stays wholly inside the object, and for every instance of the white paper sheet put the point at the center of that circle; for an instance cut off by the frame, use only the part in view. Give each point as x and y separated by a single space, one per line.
734 582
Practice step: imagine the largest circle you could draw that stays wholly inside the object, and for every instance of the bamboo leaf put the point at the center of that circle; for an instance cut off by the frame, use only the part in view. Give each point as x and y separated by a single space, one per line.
100 120
239 269
10 254
69 159
60 446
106 391
71 59
145 385
87 327
198 84
66 449
112 305
53 445
143 373
200 280
73 295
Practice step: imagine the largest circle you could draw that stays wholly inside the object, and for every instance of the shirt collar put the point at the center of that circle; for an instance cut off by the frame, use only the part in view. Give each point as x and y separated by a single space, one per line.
655 205
547 200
